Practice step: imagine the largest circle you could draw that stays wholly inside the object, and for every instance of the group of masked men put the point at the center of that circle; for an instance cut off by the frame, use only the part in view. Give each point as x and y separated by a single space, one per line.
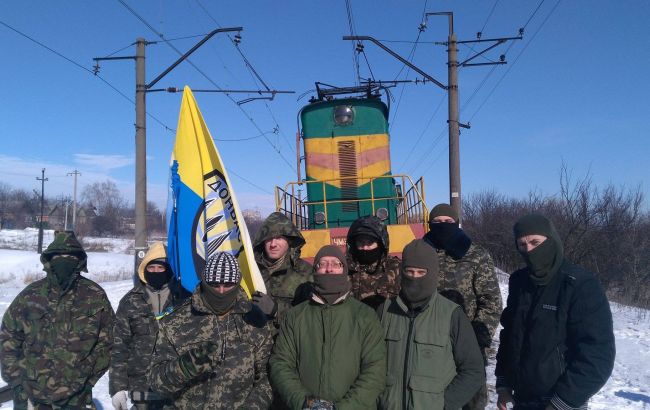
357 330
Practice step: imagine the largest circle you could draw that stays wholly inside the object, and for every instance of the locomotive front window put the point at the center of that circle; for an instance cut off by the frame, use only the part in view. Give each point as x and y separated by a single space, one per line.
343 115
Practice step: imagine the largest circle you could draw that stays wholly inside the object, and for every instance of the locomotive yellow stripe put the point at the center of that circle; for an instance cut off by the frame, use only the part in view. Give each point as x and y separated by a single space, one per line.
330 145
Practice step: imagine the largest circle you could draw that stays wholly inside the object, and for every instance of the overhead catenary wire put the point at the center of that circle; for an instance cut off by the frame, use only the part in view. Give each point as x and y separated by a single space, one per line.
257 79
87 70
210 80
355 54
510 66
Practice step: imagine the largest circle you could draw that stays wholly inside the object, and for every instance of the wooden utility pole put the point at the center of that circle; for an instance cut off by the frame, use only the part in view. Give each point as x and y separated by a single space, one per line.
40 225
75 174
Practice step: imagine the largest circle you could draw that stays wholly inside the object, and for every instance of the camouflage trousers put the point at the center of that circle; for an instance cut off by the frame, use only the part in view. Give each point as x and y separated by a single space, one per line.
81 401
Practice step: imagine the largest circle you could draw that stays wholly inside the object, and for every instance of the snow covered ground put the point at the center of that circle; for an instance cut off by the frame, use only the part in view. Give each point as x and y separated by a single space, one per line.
628 388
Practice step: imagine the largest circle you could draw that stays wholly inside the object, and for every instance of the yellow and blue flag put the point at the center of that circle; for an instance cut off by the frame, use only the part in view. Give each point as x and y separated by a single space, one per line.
203 216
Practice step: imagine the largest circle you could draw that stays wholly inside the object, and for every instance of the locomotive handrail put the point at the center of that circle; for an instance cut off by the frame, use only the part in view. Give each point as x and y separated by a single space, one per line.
298 207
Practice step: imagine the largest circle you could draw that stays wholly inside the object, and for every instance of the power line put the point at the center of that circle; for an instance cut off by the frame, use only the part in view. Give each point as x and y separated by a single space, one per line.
204 75
435 111
50 49
519 55
355 54
250 183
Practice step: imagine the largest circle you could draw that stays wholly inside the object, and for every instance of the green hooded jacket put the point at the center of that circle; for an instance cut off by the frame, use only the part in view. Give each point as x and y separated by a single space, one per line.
55 342
282 283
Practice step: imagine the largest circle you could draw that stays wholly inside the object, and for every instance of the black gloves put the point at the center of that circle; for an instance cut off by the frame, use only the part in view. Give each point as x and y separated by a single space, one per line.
198 360
265 303
314 403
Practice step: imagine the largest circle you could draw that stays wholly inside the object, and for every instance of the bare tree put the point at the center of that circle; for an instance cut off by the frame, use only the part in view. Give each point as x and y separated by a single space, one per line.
109 204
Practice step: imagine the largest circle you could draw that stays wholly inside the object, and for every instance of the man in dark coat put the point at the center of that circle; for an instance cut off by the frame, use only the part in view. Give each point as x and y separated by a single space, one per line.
277 253
374 274
557 344
55 339
136 326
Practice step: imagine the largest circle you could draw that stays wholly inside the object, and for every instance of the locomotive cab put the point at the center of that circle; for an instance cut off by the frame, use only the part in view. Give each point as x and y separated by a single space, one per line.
348 173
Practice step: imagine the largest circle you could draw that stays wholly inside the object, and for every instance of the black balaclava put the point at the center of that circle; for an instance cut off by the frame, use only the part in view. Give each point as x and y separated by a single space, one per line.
367 257
157 280
331 287
447 235
545 260
416 292
65 270
222 268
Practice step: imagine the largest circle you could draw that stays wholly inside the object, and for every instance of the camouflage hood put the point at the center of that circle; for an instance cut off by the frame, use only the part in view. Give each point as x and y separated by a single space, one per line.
65 243
370 226
277 224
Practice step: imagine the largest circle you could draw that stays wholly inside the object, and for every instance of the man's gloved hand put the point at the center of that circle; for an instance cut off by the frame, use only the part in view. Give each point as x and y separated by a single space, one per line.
314 403
265 303
199 360
119 400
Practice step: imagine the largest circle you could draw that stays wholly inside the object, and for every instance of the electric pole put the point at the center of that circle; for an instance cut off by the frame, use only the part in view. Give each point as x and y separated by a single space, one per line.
140 155
40 225
74 173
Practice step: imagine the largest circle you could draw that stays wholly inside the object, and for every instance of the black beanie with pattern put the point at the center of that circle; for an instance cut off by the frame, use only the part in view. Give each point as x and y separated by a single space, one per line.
222 268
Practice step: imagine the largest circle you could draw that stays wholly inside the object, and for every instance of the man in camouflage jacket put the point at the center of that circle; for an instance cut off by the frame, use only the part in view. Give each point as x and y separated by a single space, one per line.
56 335
277 253
208 354
155 295
374 274
467 277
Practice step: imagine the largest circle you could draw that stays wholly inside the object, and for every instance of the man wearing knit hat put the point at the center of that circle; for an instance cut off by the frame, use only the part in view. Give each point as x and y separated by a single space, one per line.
330 351
557 344
208 354
155 295
467 277
372 270
434 361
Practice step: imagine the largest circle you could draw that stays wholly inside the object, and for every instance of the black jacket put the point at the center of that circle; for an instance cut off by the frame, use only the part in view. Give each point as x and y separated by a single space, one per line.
557 340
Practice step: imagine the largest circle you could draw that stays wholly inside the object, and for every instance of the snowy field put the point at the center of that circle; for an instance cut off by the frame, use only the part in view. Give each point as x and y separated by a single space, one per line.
628 388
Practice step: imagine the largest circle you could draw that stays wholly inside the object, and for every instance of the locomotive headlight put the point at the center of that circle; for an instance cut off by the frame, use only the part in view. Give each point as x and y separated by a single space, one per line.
319 218
343 115
382 213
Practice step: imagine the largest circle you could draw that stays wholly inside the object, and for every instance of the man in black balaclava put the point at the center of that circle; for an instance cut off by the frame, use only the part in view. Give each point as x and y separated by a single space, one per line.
156 294
56 335
373 272
417 318
208 354
329 353
556 348
467 277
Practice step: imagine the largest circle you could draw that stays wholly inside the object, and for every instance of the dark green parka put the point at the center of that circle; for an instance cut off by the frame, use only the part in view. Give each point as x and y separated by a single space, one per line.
55 342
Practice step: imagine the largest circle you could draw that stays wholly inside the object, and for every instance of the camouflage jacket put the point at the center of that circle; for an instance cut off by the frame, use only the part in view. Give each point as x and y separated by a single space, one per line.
471 282
134 336
240 381
282 283
56 346
55 343
372 284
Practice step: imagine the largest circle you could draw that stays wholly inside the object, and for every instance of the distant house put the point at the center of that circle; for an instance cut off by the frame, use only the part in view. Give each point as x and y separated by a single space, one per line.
56 217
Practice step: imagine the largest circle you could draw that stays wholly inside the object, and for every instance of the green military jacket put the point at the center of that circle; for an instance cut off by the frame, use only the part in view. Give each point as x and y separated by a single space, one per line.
434 362
333 352
55 343
55 346
239 381
283 281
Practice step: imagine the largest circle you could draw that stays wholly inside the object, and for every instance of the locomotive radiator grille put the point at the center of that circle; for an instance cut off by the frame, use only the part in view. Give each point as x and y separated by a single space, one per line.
348 170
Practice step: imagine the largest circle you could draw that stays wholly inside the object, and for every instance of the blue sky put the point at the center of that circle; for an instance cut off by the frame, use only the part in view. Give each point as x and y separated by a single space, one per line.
575 90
